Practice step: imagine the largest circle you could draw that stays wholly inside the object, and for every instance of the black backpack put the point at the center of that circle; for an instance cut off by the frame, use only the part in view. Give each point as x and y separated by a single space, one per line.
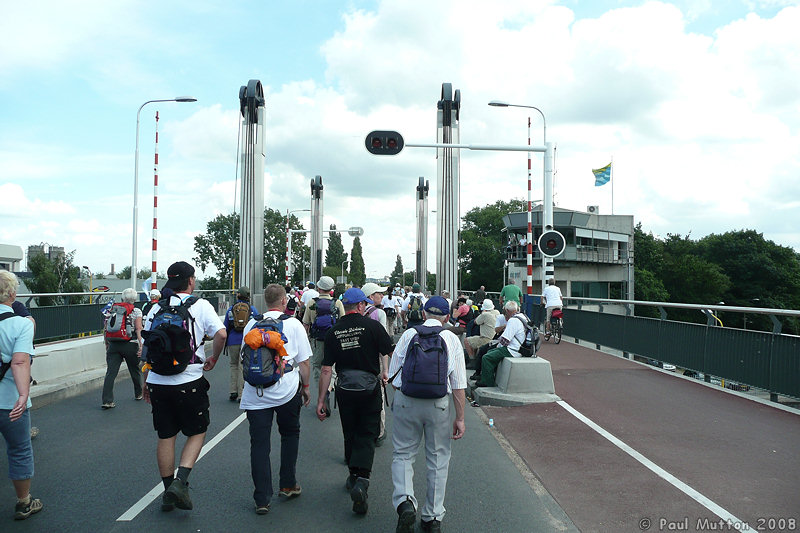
424 370
170 344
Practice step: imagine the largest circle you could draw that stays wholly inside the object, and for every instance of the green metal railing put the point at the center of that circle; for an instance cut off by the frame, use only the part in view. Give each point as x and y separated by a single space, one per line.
769 361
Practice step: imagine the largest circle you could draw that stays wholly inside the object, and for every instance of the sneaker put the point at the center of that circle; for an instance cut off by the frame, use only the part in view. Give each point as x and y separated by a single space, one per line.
34 432
178 494
359 495
138 397
24 510
108 405
262 509
350 483
433 526
233 397
167 503
290 492
406 517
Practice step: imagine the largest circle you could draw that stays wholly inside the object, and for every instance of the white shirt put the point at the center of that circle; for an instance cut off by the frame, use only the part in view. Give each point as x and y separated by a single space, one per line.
456 371
408 299
514 335
206 322
298 349
309 294
391 301
552 296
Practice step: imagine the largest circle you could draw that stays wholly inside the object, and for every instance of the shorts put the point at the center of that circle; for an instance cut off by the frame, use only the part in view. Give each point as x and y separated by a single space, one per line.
17 435
477 341
181 408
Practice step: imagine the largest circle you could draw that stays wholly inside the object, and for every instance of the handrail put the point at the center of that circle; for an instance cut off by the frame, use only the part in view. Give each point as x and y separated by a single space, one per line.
698 307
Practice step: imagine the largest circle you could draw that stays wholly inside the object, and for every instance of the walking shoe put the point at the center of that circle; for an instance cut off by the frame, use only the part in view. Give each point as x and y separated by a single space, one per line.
291 491
34 432
233 397
138 397
350 483
433 526
359 495
167 502
178 494
23 510
406 516
108 405
262 509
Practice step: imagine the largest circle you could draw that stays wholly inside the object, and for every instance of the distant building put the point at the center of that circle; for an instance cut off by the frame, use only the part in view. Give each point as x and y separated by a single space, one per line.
10 257
52 252
597 261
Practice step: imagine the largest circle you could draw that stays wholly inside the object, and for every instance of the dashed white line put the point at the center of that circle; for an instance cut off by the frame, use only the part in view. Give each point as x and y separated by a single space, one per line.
650 465
156 491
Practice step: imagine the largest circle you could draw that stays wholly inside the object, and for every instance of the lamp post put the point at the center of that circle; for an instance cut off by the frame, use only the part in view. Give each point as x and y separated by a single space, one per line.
136 181
343 262
548 199
289 243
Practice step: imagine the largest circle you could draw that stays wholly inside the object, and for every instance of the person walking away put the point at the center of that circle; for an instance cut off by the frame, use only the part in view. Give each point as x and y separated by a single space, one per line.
389 305
510 293
551 298
320 315
236 318
427 368
16 352
281 400
412 307
376 312
355 344
123 339
179 393
510 342
155 296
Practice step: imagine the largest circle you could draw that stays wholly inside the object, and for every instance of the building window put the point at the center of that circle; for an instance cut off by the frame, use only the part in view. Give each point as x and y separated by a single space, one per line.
589 289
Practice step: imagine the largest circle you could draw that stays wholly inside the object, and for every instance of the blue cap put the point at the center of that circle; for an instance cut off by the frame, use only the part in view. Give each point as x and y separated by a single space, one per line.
437 305
354 296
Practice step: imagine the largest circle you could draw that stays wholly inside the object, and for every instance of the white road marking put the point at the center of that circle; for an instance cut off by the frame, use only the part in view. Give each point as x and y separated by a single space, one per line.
660 472
156 491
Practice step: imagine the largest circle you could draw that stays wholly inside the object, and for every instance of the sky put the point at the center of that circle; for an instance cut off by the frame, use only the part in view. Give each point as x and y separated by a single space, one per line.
697 102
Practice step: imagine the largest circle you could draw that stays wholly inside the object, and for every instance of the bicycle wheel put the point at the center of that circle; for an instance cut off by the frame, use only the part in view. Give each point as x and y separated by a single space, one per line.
558 330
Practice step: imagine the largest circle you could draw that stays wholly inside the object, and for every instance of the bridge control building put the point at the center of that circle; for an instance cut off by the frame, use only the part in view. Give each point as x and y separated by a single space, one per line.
597 261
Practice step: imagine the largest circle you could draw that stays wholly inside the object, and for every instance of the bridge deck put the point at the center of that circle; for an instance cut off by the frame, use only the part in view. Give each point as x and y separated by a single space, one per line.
741 458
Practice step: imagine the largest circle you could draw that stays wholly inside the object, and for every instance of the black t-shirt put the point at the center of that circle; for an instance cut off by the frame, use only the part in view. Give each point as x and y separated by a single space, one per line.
356 341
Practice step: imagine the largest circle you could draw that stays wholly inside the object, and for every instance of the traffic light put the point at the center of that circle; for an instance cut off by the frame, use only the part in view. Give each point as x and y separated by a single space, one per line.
551 243
384 142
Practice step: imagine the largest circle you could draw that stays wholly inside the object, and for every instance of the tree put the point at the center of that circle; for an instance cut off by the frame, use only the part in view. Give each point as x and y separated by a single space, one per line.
335 254
483 244
219 246
358 273
397 273
55 275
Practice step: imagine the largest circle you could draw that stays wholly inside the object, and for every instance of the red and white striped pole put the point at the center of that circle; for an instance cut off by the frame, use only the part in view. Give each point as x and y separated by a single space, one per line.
155 212
288 247
530 220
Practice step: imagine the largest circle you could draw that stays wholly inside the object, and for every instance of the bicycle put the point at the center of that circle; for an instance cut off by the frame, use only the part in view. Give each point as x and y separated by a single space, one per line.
556 325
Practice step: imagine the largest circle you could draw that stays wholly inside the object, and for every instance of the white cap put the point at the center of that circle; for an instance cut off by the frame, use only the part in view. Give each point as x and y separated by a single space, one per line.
488 305
371 288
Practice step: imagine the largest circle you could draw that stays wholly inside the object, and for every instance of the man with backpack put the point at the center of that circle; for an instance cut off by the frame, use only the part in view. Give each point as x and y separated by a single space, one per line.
359 347
274 390
510 343
175 386
236 318
413 305
427 367
321 313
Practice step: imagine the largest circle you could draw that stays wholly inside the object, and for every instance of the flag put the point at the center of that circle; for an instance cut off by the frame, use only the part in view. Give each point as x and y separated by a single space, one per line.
602 175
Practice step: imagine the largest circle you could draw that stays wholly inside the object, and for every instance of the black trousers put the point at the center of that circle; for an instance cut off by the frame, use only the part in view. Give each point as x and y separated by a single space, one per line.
361 419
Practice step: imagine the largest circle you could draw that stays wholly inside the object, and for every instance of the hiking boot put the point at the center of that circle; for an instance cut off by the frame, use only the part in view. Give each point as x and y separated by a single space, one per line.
433 526
359 495
108 405
178 494
406 517
291 491
350 483
233 397
262 509
23 510
167 503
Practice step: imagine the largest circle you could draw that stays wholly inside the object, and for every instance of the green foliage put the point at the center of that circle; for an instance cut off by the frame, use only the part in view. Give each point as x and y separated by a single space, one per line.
397 274
335 254
219 246
56 275
482 246
358 274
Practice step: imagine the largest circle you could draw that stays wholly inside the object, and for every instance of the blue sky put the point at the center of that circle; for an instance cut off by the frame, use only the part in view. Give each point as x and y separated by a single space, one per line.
698 103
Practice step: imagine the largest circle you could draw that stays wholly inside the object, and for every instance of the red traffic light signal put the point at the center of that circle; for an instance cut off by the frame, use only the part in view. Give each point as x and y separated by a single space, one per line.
384 142
551 243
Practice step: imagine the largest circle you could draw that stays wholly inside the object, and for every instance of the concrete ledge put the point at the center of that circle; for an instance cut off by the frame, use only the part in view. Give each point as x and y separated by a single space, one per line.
495 396
525 375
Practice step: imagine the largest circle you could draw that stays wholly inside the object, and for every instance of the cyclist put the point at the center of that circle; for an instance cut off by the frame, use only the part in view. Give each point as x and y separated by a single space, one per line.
551 298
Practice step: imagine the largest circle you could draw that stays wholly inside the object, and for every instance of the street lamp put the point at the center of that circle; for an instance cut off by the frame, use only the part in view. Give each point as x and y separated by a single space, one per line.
136 180
343 262
548 199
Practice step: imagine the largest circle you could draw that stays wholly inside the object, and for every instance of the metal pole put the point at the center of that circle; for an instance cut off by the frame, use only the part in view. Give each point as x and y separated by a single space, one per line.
155 212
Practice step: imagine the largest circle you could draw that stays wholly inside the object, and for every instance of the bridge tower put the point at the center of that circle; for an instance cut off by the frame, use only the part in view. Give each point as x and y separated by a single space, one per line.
316 228
421 269
448 198
252 158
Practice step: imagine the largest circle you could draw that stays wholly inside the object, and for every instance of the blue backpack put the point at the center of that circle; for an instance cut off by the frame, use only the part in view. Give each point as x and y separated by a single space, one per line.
326 317
170 343
424 371
262 367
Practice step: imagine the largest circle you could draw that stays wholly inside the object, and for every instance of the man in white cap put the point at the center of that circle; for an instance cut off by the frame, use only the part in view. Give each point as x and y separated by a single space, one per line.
375 312
321 313
486 321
